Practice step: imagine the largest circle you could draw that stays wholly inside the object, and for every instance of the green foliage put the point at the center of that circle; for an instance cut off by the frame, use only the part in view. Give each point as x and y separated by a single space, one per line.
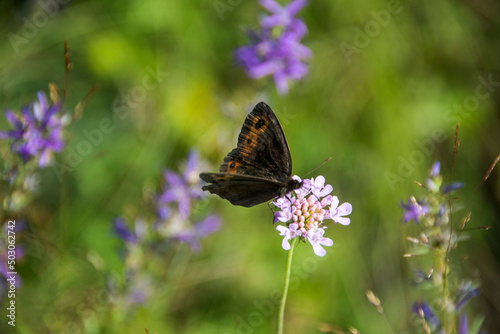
168 83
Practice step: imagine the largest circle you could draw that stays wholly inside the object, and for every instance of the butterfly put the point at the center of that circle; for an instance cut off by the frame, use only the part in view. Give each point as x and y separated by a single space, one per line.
259 169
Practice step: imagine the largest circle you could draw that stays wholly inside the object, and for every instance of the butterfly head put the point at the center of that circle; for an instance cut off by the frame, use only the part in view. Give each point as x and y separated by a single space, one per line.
291 185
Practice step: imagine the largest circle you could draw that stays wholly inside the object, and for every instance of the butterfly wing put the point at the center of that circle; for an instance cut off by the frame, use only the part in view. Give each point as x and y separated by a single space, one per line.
262 149
244 190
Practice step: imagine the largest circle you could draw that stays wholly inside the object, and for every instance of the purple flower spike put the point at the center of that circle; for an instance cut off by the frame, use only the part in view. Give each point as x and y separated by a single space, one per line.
38 131
175 204
277 52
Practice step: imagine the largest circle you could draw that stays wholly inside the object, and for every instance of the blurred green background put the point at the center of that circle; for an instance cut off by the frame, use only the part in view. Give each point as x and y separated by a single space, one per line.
375 112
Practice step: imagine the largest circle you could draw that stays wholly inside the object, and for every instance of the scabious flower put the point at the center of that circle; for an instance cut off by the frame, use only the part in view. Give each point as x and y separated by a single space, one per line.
276 49
38 130
304 211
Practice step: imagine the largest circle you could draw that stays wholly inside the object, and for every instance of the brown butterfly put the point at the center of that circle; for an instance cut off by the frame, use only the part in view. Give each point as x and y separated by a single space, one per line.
259 169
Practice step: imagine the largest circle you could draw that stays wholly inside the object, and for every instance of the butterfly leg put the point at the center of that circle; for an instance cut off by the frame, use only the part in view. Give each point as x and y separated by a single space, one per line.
270 207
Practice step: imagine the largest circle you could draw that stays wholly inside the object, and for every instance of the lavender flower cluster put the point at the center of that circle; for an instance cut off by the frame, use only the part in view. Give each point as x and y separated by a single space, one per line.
36 135
176 219
38 130
437 237
304 211
174 212
277 49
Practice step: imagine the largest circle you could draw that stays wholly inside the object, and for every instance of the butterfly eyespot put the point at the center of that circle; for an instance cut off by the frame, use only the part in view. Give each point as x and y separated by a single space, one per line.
232 165
260 123
249 141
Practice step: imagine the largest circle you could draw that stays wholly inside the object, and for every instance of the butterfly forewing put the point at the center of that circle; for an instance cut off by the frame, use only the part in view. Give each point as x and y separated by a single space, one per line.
262 149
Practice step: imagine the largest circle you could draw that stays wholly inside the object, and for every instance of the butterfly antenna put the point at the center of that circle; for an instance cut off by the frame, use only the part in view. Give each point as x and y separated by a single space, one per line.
318 166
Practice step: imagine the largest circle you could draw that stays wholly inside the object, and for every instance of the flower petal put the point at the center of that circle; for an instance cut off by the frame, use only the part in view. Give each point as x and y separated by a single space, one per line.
325 191
435 169
326 242
344 209
208 226
282 229
295 6
342 220
271 5
285 244
318 250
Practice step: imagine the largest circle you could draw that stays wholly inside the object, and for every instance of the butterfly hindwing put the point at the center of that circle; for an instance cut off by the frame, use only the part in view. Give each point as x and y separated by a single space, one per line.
241 190
262 149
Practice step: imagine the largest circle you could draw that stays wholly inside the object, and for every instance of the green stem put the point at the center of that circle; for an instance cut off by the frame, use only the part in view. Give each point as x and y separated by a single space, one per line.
281 311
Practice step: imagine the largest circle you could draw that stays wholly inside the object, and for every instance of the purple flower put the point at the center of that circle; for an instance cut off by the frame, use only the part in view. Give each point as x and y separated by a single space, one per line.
174 206
288 233
317 240
123 231
435 180
414 210
180 189
435 169
429 315
140 290
38 131
336 212
452 187
465 295
274 51
283 17
304 211
130 235
318 187
463 326
192 236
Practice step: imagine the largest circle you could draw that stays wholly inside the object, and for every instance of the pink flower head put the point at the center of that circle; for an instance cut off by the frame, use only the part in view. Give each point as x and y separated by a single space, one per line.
304 211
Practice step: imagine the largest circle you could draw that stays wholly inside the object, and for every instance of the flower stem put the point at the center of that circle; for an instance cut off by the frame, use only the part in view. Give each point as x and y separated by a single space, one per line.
281 311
